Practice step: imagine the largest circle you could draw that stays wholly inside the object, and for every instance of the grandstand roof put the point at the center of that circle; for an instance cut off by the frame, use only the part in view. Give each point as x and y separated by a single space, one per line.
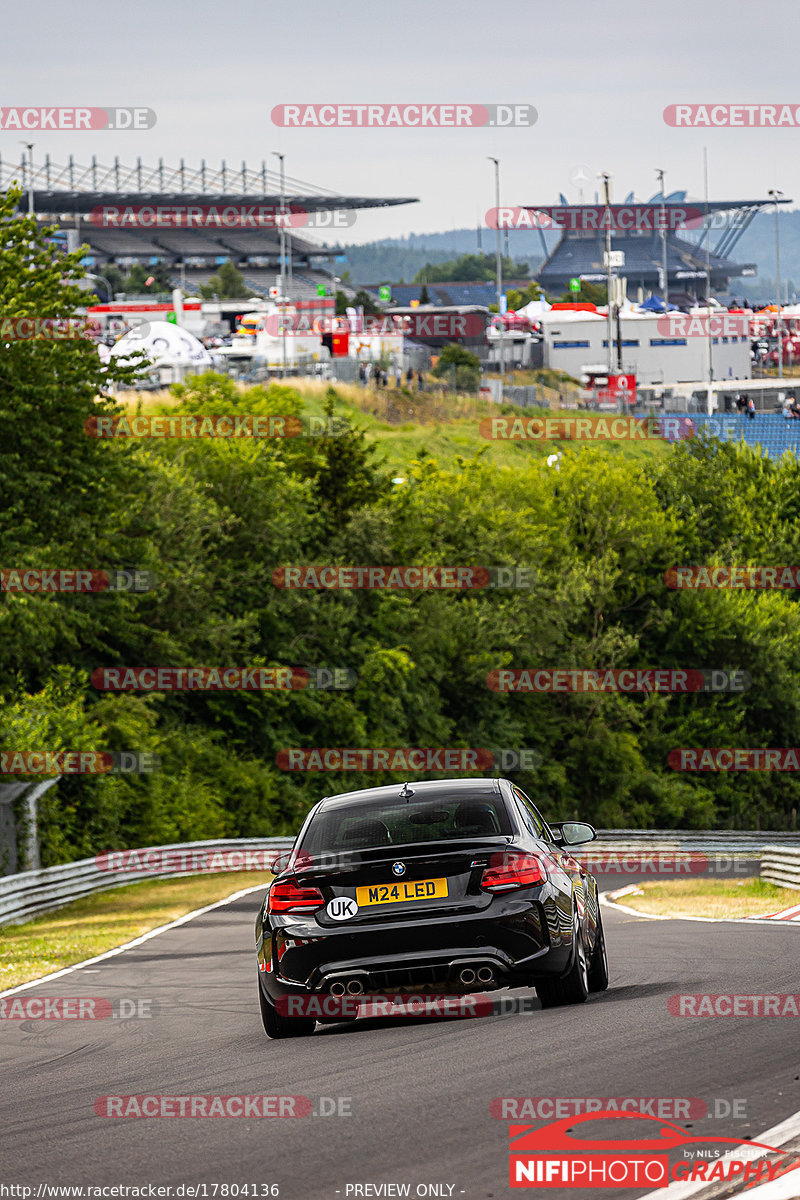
579 252
77 188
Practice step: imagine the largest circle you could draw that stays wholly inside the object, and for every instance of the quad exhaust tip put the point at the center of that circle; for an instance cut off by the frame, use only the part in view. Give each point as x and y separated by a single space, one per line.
470 975
351 987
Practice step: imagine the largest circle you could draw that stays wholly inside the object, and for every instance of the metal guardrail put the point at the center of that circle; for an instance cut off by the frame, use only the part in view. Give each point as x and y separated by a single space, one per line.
781 865
743 843
30 893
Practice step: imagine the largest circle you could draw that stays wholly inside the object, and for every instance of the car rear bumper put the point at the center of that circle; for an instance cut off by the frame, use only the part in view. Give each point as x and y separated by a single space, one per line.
523 942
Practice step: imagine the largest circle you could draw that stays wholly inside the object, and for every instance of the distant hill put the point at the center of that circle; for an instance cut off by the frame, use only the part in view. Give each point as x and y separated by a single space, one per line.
397 260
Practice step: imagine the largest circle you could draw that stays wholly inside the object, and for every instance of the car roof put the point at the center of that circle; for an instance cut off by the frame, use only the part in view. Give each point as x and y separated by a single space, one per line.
426 789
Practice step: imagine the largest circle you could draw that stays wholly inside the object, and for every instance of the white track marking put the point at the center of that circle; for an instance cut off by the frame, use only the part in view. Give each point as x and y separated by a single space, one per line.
145 937
788 1129
645 916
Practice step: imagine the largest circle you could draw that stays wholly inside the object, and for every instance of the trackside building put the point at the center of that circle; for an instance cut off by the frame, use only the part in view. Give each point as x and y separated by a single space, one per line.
656 350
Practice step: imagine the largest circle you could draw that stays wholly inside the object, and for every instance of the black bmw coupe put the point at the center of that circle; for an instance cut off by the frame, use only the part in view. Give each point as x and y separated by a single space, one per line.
455 885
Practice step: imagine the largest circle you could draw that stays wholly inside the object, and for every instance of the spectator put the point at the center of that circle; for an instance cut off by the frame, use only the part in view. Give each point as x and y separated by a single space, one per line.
409 377
384 378
420 381
362 374
751 409
398 376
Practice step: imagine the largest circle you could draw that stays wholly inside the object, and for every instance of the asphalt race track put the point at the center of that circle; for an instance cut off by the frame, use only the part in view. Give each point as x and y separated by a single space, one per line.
419 1090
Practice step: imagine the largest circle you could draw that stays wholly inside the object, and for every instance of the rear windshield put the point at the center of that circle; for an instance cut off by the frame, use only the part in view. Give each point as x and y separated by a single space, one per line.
365 825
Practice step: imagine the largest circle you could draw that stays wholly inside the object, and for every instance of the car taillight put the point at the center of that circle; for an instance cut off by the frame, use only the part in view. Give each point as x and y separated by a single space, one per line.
292 897
508 871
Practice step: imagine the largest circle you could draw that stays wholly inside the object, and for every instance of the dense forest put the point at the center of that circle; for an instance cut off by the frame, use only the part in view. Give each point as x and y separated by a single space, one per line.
213 519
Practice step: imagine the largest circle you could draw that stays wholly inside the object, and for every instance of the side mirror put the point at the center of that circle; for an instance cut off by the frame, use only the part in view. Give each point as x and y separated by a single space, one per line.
280 862
573 833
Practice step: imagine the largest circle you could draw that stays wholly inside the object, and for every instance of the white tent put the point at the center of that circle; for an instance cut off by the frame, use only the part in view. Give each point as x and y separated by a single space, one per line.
534 310
166 345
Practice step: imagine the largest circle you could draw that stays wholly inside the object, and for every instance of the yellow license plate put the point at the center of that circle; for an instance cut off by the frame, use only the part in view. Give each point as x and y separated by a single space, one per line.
401 893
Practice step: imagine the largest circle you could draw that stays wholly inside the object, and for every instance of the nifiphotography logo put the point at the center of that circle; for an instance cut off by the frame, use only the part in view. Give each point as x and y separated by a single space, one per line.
555 1156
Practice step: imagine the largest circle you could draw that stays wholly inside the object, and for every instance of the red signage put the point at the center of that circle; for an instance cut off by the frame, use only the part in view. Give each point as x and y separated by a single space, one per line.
617 388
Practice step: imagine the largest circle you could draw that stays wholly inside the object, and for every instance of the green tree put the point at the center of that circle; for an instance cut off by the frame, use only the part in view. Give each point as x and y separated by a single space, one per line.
518 298
227 284
341 465
368 302
590 293
469 268
458 364
55 479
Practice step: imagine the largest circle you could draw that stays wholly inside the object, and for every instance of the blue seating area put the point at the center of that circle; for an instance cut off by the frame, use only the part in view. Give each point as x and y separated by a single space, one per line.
773 432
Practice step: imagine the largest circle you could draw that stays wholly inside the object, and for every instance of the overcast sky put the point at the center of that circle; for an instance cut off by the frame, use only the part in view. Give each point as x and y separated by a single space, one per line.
599 75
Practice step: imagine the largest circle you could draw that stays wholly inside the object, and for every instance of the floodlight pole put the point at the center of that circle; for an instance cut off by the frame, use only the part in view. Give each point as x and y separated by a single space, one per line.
30 146
610 318
774 193
499 261
710 390
283 266
665 281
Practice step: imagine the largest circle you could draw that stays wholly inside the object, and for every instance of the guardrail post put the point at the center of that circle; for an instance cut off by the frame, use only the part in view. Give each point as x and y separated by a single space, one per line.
19 835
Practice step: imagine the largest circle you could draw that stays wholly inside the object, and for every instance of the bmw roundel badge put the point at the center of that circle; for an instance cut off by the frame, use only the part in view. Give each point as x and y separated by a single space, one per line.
398 869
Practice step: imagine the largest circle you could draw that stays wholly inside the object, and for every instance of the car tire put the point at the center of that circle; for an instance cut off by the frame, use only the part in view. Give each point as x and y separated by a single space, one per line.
573 988
277 1026
598 964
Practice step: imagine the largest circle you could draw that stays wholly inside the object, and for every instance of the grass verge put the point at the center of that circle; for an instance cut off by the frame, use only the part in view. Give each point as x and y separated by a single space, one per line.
404 424
98 923
711 898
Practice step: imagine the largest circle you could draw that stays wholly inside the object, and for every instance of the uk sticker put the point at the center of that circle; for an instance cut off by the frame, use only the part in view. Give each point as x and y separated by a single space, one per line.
341 908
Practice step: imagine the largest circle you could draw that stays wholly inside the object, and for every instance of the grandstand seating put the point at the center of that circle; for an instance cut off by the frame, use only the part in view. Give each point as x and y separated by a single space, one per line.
449 294
772 432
